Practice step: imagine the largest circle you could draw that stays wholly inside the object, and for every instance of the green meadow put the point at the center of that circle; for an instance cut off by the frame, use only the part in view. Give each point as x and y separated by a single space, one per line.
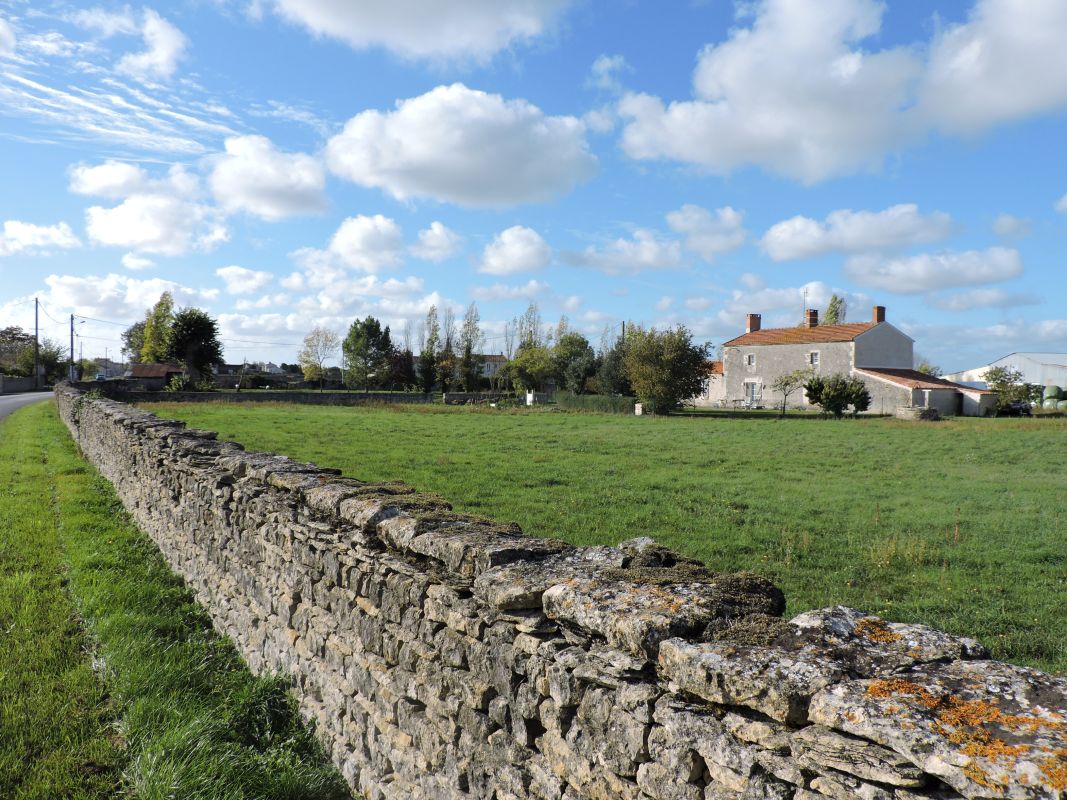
960 524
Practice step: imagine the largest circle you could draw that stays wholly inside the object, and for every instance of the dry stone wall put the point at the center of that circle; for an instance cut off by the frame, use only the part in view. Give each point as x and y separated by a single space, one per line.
446 656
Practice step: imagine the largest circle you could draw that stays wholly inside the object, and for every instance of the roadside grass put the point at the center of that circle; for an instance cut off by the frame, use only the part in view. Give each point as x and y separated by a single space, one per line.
171 711
960 524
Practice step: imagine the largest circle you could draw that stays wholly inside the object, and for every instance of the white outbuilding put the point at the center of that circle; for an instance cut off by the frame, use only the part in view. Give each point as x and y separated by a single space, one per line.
1044 369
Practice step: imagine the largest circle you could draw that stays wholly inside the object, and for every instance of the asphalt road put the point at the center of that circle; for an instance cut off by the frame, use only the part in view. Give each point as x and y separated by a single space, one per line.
9 402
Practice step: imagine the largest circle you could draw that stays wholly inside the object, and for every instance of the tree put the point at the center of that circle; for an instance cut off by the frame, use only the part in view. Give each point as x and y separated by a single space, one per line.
157 325
790 382
368 348
320 345
836 393
574 361
924 366
664 367
447 362
193 342
611 376
133 342
402 374
530 368
470 338
1010 388
428 357
52 356
13 340
528 328
835 311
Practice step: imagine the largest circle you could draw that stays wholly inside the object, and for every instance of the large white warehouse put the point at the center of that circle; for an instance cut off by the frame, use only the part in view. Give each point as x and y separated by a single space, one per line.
1044 369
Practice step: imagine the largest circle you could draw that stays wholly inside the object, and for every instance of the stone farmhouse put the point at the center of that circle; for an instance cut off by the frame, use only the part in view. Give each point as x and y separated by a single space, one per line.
876 352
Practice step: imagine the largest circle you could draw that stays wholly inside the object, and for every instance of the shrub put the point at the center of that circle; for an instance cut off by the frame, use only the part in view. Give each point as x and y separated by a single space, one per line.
834 394
604 403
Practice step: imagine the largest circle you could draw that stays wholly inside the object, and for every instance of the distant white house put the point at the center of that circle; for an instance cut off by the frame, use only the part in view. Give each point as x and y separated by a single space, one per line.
1044 369
491 364
876 352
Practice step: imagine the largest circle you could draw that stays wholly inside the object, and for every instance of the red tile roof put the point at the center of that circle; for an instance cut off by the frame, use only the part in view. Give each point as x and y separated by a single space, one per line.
714 367
153 370
803 335
914 379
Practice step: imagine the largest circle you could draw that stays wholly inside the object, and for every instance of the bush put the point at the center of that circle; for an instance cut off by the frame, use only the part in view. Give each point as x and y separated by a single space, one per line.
604 403
836 393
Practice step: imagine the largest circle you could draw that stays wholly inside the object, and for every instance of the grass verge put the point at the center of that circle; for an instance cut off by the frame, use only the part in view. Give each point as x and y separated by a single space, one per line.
171 711
959 524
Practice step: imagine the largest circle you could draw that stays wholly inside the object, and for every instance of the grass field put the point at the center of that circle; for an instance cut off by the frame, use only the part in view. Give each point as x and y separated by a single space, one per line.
959 524
111 679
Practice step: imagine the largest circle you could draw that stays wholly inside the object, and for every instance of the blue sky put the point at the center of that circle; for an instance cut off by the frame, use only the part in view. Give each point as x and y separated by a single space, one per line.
291 163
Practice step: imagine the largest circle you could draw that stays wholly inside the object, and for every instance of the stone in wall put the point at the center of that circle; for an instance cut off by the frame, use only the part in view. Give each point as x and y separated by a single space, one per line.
447 656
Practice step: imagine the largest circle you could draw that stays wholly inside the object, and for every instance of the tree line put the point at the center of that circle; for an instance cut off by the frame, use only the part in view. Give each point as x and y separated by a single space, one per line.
188 337
662 368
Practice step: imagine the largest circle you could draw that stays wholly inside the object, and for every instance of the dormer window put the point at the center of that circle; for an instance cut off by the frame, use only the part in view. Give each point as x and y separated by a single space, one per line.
750 360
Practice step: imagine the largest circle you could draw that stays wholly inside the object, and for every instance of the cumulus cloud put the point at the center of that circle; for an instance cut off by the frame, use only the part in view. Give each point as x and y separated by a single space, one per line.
116 297
253 176
437 243
266 301
1010 225
835 107
1007 61
25 237
855 231
1061 205
801 91
241 280
500 291
463 146
517 249
134 262
604 74
367 243
106 23
780 306
644 251
664 303
428 29
7 39
709 234
156 223
985 298
164 47
931 271
112 179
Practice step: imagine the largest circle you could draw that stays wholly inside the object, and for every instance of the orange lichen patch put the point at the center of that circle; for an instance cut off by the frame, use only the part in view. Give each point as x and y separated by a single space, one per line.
876 630
895 687
983 778
1055 772
994 750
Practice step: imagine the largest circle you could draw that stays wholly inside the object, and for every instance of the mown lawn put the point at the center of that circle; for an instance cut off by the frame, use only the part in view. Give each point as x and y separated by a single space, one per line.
959 524
112 682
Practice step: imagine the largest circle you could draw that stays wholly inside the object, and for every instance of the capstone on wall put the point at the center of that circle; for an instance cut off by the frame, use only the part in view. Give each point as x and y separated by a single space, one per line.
445 656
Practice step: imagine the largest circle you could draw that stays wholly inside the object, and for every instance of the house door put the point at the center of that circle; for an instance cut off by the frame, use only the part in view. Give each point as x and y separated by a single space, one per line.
752 393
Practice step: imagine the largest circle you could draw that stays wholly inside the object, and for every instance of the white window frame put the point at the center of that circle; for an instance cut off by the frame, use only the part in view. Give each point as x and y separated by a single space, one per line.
813 358
750 359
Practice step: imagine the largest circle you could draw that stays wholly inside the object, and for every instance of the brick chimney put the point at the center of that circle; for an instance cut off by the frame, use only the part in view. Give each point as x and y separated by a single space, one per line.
811 318
752 323
879 314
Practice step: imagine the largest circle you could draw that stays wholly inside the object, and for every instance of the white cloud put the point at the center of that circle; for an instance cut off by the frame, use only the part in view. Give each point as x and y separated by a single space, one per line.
780 307
164 47
1010 225
156 223
709 234
794 93
7 39
430 29
604 74
463 146
798 93
25 237
985 298
255 177
114 297
752 281
931 271
855 231
106 23
134 262
517 249
364 243
1007 61
241 280
645 251
697 303
500 291
112 179
266 301
437 243
1061 204
664 303
572 303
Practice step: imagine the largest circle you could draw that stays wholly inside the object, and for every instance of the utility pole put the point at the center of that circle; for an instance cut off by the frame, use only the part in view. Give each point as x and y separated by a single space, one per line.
36 345
70 374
